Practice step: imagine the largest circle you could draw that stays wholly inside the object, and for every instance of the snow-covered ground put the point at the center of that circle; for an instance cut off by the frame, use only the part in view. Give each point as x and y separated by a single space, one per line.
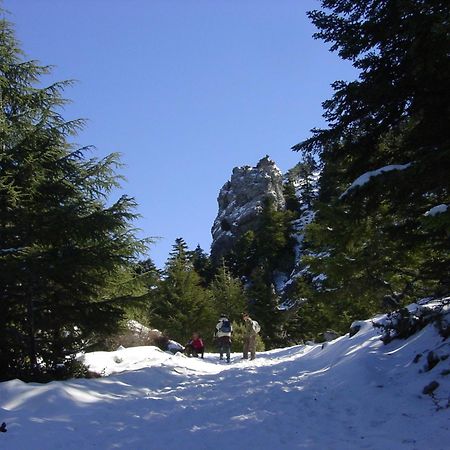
355 393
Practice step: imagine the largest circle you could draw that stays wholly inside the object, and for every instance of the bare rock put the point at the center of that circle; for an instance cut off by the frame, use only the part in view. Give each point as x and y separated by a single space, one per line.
241 201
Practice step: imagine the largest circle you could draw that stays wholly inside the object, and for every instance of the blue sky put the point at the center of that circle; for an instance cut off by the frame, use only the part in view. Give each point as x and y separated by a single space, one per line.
185 90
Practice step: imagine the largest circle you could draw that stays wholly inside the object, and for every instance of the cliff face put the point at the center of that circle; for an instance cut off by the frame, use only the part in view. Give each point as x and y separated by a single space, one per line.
241 201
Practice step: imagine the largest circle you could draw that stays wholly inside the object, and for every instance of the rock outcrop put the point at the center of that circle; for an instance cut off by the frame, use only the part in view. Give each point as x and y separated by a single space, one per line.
241 201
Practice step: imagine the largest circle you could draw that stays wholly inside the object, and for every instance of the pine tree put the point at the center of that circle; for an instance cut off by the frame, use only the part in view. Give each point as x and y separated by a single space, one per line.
142 280
257 258
179 252
147 267
263 303
290 196
305 175
181 304
274 242
61 245
376 234
202 265
243 257
228 294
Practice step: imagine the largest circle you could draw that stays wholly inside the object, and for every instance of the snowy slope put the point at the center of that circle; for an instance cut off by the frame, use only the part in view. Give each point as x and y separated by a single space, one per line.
355 393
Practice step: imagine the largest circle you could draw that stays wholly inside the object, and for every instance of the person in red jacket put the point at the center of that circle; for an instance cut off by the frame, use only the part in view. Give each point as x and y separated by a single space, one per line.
195 346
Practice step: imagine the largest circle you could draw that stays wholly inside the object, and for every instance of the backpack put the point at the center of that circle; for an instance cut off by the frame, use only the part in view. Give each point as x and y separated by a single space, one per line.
225 327
256 326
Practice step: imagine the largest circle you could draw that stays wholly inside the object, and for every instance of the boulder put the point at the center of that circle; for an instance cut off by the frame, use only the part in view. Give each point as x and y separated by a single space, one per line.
330 335
354 328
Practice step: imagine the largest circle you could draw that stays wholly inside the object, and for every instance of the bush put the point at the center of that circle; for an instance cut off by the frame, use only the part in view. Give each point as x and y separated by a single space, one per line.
400 324
405 322
73 368
237 341
70 368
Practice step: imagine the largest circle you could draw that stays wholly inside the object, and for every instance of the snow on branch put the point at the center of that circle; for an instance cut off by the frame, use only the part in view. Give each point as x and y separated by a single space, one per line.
365 177
438 209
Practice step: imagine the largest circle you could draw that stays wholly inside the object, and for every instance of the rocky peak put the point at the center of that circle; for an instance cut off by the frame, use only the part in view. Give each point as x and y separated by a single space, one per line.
241 201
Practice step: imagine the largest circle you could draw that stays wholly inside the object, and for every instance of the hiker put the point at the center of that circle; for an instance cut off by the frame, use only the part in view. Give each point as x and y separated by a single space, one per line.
223 333
252 328
195 346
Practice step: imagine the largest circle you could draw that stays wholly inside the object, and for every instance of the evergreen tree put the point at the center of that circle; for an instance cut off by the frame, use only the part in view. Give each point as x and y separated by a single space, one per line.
375 231
305 175
147 267
263 306
274 243
228 294
179 252
257 258
143 280
61 245
242 258
202 265
181 304
290 196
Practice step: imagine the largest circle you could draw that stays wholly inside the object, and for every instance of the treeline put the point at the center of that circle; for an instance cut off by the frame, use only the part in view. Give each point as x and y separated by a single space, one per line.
190 293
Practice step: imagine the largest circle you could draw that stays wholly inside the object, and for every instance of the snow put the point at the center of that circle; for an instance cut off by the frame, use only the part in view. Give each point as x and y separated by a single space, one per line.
352 393
319 278
10 250
279 280
365 177
439 209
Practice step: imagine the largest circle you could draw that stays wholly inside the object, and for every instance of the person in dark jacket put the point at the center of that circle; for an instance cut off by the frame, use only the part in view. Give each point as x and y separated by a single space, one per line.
195 346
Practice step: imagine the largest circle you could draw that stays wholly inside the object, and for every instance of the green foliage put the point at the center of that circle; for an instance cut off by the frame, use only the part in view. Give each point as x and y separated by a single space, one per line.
228 294
202 265
181 304
64 246
143 282
290 196
257 257
305 176
263 303
274 244
243 257
308 316
270 245
374 240
237 341
179 253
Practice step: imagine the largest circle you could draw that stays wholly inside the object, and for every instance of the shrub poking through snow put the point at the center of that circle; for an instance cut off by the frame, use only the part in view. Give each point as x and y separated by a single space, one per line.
407 321
430 388
400 325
